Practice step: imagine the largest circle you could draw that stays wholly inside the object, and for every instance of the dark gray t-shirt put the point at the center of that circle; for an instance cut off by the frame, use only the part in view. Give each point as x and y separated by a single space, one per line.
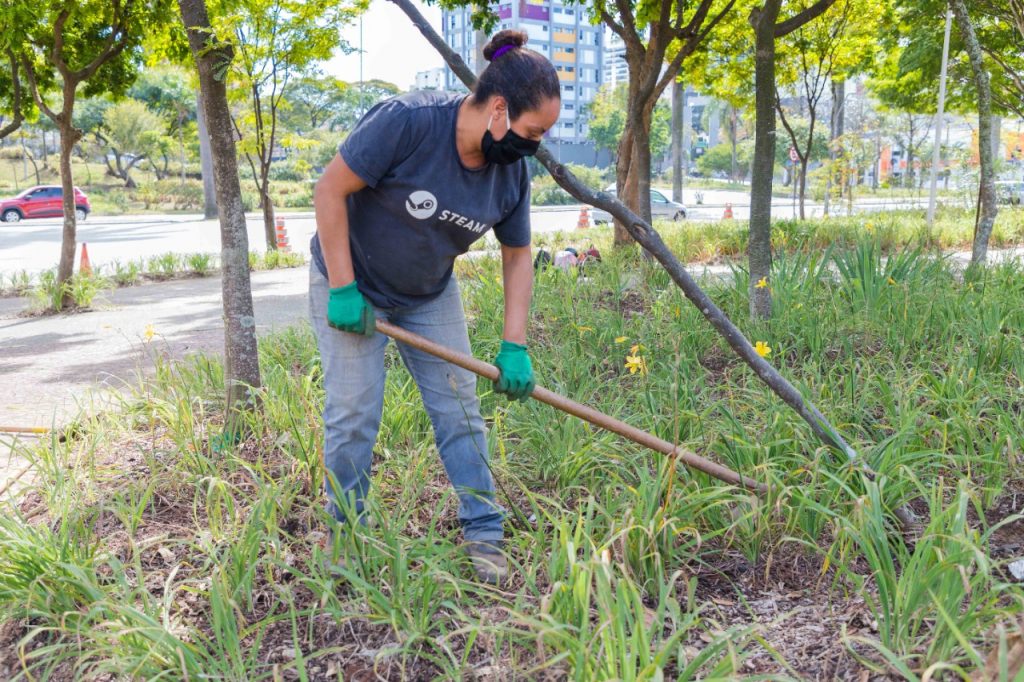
422 207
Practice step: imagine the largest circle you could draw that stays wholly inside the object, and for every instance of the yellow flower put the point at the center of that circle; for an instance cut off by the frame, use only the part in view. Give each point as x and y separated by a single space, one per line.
148 333
892 281
583 330
621 339
870 227
762 283
763 349
636 348
635 364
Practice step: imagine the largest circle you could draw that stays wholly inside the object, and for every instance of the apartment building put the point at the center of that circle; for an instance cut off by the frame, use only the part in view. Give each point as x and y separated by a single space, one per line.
561 32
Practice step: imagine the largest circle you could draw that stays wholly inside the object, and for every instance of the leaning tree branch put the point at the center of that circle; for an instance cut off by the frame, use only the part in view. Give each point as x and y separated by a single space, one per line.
784 28
650 240
30 76
17 110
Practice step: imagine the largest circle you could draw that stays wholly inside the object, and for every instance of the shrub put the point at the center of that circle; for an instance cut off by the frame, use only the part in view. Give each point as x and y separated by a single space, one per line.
200 263
165 265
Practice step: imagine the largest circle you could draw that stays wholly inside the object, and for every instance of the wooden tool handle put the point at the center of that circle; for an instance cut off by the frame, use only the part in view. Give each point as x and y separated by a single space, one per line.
576 409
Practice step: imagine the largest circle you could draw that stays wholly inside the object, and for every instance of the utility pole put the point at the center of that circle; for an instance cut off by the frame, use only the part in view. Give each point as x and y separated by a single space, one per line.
939 120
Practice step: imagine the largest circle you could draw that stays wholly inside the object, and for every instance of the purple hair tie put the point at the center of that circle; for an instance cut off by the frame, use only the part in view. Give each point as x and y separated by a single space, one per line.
502 50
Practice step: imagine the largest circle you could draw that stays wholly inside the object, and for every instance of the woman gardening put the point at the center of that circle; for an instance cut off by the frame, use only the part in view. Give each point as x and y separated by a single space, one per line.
420 178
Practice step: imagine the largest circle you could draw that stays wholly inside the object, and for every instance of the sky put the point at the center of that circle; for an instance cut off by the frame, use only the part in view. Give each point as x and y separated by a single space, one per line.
393 49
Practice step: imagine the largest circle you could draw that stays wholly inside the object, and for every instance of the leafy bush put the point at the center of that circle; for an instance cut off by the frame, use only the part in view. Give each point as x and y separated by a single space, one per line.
83 289
200 263
546 192
127 274
164 265
272 260
295 170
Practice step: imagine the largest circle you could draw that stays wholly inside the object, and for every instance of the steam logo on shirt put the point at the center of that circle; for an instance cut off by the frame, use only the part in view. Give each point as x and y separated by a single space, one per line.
421 204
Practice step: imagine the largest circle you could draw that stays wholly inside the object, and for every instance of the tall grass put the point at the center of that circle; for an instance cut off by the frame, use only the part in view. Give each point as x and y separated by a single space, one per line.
151 555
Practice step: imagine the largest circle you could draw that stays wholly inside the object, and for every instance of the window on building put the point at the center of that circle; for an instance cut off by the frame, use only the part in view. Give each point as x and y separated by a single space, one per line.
570 69
570 107
570 50
567 125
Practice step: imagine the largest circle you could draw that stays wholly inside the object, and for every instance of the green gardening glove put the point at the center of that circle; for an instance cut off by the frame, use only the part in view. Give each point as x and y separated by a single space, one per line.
348 311
515 373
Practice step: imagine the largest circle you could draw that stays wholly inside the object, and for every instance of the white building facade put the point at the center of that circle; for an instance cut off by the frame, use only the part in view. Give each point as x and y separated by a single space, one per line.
560 32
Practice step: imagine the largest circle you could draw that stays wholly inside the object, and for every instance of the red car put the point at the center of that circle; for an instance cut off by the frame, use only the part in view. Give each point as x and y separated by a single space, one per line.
44 201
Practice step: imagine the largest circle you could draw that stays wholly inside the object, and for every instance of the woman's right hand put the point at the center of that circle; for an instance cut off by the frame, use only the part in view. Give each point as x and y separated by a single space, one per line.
349 311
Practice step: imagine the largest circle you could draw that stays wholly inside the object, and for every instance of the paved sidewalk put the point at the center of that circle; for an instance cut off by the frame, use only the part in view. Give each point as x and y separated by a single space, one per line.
49 364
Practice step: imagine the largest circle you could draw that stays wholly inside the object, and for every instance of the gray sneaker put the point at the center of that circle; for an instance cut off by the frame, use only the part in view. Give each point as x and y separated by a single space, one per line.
489 562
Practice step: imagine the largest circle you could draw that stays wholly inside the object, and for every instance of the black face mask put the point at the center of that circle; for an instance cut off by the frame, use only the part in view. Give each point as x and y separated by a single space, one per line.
508 149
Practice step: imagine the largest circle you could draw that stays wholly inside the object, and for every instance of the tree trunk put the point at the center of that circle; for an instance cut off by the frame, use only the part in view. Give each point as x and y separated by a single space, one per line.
69 137
803 184
268 217
28 155
989 209
677 141
836 131
181 145
759 246
623 186
205 161
241 358
732 142
642 161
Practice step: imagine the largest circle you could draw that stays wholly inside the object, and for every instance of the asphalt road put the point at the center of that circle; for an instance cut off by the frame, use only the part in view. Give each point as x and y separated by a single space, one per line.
34 245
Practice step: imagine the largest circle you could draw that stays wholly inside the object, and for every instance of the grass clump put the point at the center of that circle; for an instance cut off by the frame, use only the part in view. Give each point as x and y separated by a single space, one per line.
157 556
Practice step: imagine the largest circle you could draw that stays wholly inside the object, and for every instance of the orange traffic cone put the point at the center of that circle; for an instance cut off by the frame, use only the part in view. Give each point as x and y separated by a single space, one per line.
728 212
282 236
584 221
84 267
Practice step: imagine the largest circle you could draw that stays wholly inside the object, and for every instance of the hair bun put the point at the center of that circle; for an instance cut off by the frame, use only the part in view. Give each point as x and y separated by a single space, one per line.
506 38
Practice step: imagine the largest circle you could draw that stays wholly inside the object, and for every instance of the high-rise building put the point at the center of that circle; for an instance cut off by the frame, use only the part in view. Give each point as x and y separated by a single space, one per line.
431 79
561 32
615 68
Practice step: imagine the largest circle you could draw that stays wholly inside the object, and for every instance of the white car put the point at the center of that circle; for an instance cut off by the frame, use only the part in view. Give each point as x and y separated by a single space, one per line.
661 207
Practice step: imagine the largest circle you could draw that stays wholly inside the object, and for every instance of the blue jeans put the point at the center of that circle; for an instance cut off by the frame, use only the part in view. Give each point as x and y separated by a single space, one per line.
353 369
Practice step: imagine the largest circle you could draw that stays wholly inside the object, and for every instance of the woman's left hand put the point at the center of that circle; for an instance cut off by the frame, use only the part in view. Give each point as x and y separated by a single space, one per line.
515 371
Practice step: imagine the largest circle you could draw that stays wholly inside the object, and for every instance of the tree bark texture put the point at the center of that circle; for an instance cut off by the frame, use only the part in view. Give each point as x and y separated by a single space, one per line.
759 245
205 161
836 131
241 359
69 137
987 195
677 140
650 240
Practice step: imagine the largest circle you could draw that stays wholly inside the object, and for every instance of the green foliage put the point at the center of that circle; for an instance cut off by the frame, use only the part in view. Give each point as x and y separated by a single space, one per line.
619 575
164 265
608 114
275 41
200 264
48 295
718 159
166 89
126 274
546 192
131 128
